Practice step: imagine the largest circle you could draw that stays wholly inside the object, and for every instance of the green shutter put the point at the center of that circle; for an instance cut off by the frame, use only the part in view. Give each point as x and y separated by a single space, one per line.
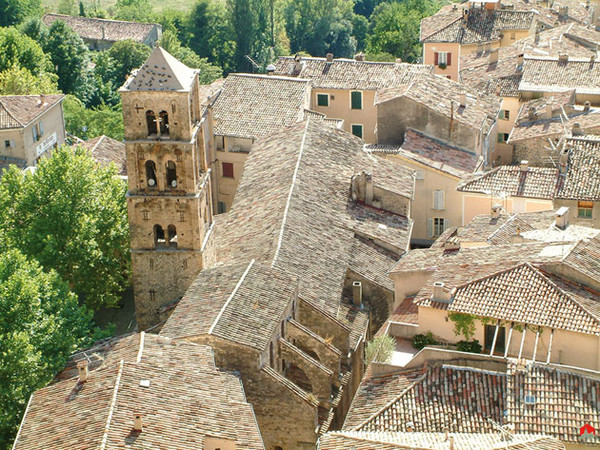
356 97
322 100
357 130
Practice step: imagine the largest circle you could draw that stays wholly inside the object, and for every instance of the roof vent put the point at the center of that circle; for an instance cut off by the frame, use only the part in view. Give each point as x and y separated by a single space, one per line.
82 368
562 217
524 166
576 129
357 293
138 422
563 57
270 69
329 57
530 399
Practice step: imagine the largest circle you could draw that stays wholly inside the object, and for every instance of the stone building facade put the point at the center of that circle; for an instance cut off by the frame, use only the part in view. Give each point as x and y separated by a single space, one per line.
169 199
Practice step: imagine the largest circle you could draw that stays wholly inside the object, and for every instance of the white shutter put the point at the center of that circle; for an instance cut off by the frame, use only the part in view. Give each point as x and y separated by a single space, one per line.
41 128
438 199
12 144
430 227
446 225
419 175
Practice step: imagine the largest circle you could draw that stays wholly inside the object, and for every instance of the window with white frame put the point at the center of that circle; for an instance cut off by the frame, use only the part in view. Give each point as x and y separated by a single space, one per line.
322 99
419 175
442 58
504 114
439 199
436 226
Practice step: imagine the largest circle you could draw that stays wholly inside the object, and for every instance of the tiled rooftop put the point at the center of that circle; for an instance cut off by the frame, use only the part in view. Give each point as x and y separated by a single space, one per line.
181 402
17 111
161 72
244 303
253 106
106 150
102 29
582 179
480 26
351 74
364 440
443 96
549 74
523 294
585 257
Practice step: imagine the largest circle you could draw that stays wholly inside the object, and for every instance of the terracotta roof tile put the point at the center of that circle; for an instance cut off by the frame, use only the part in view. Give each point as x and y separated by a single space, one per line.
106 150
17 111
552 75
535 182
253 106
582 178
351 74
585 257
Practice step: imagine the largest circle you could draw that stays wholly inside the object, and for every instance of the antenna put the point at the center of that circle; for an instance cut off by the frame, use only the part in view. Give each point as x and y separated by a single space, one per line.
255 66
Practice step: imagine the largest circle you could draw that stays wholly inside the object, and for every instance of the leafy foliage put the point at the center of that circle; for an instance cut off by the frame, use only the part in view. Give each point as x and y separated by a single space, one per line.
463 324
420 341
19 81
18 49
13 12
71 216
380 349
97 121
469 346
41 323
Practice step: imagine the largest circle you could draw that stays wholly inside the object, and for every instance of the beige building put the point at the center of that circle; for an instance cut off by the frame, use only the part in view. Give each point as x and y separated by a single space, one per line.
441 108
30 126
167 141
438 168
141 391
101 34
455 32
345 89
247 108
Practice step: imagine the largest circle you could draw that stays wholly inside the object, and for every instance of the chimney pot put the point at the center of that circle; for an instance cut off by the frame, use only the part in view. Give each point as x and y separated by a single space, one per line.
576 129
409 426
357 293
82 368
524 166
138 422
329 57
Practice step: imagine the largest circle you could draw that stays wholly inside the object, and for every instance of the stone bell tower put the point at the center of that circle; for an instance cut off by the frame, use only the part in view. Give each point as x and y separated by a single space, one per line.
169 198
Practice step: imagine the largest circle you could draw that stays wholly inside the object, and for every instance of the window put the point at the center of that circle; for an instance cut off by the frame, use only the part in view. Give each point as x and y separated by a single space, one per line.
221 207
151 122
419 175
151 173
152 295
356 100
442 59
172 236
164 123
171 174
40 128
227 170
34 132
504 114
436 226
146 215
7 144
159 236
584 209
502 138
513 35
357 130
322 99
489 332
439 202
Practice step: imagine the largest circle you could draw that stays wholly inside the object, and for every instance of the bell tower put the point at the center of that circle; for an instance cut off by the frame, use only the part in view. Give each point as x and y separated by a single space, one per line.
169 185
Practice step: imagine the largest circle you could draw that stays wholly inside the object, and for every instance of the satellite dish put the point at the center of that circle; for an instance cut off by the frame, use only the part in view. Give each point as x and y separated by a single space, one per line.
151 182
174 183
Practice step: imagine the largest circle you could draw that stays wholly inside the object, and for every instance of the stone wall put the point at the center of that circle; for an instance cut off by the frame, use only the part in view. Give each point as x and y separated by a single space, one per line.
327 327
379 300
306 340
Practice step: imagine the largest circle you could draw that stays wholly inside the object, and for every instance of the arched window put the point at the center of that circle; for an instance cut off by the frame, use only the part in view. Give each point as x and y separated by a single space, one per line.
164 122
172 236
151 174
159 236
151 122
171 174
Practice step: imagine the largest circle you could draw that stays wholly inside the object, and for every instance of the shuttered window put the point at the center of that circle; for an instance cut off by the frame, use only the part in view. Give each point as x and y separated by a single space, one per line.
436 226
356 99
439 200
357 130
227 170
322 99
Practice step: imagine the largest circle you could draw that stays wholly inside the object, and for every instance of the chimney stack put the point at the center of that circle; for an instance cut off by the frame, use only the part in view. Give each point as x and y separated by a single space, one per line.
138 423
495 212
563 57
440 294
586 106
463 99
369 189
524 166
297 63
531 113
562 217
493 56
329 57
576 129
356 293
451 443
548 111
359 57
82 368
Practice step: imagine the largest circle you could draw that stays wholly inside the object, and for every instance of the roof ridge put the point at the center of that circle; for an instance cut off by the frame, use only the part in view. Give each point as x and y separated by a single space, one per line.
112 407
100 19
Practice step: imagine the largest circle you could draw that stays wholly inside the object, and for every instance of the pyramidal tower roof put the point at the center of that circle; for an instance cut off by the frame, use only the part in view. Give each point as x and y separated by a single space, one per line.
161 72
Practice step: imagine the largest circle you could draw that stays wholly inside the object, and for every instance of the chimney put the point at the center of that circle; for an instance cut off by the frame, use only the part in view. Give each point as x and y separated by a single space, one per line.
520 61
493 56
548 111
463 99
562 217
524 166
270 69
576 129
563 161
103 33
586 106
329 57
356 293
82 368
297 63
531 113
369 189
495 212
440 294
359 57
398 60
451 245
137 422
563 57
451 443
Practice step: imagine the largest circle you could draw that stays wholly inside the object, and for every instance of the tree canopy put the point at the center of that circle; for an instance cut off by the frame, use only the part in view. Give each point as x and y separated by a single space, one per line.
71 216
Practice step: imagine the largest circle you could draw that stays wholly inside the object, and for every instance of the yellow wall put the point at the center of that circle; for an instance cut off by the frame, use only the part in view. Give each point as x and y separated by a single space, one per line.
503 153
228 186
475 204
340 108
429 50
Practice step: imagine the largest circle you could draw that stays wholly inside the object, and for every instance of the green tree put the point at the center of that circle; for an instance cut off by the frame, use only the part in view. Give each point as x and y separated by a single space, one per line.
127 55
81 8
395 27
18 49
134 10
97 121
41 324
243 18
380 349
70 56
20 81
66 7
71 215
35 29
13 12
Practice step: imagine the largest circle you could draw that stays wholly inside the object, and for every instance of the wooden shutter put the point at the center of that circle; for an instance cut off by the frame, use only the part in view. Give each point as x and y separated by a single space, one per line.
435 58
448 58
430 227
228 170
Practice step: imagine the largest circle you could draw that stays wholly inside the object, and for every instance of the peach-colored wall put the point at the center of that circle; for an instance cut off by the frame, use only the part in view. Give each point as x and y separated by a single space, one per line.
228 151
475 204
452 70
